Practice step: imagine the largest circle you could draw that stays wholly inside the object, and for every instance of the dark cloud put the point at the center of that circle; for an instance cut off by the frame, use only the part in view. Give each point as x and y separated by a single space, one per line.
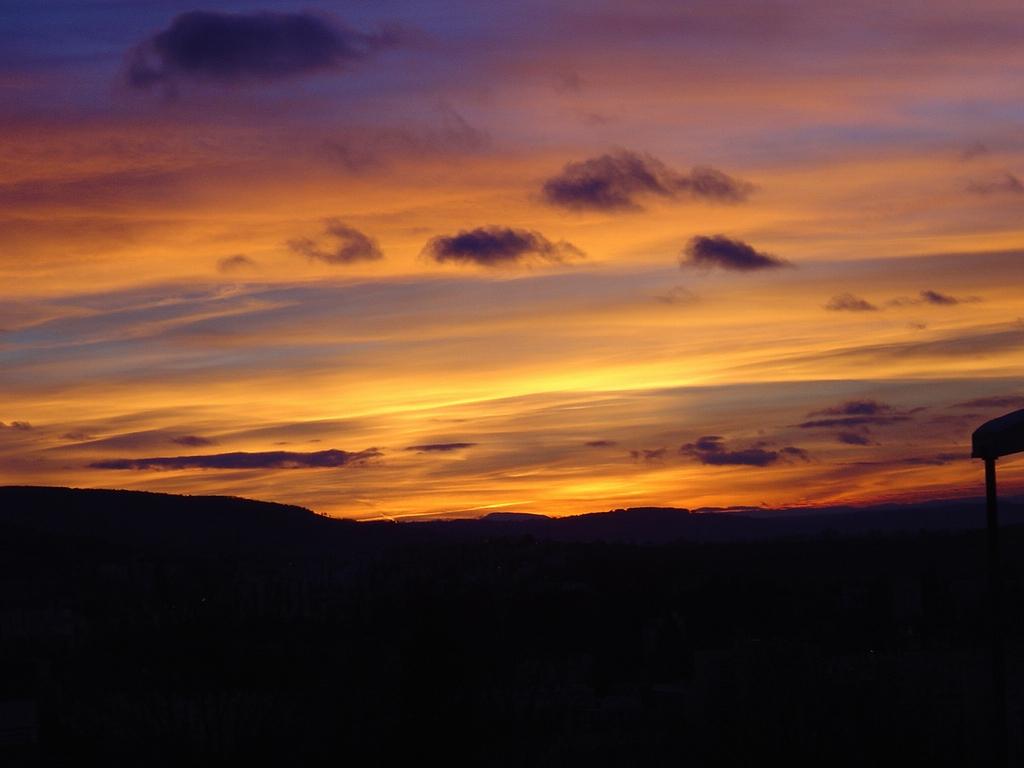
1002 183
235 262
497 246
855 408
78 436
936 460
439 447
600 443
853 421
847 302
855 414
235 48
19 426
648 454
726 253
242 460
712 451
994 401
615 181
676 296
934 297
193 441
854 438
351 245
797 453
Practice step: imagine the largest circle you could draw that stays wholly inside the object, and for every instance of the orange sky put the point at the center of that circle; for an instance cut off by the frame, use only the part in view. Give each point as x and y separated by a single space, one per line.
242 272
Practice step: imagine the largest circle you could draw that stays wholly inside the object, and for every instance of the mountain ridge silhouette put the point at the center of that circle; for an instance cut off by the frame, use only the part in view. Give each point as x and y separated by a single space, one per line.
238 523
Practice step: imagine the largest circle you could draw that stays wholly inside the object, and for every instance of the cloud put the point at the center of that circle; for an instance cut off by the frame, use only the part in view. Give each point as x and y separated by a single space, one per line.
648 454
96 191
242 460
980 341
497 246
855 408
853 414
725 253
193 441
936 460
935 298
677 295
351 246
439 447
18 426
600 443
847 302
994 401
711 450
853 421
1002 183
615 181
975 150
77 435
235 262
792 450
238 48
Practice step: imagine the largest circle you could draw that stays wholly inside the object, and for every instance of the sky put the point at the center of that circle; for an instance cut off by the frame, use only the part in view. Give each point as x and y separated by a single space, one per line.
411 259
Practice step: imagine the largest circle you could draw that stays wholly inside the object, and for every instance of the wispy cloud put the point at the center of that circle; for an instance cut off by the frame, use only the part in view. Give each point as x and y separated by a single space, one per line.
347 245
439 447
848 302
993 401
234 263
241 460
1004 183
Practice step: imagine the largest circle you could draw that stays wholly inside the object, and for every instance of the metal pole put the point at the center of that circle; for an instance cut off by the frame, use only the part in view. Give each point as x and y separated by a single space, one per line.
1000 736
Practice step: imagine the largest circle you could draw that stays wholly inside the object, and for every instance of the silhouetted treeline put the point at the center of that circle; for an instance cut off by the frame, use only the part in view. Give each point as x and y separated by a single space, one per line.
196 636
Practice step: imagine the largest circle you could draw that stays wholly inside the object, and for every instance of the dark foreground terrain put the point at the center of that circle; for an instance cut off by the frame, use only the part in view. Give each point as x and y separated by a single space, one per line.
149 630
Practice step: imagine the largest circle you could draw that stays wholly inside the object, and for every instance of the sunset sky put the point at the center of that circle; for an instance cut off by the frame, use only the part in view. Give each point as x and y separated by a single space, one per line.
388 259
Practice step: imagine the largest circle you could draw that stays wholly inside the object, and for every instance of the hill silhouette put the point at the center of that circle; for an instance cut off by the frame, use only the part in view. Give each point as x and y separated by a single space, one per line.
151 629
226 522
187 522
